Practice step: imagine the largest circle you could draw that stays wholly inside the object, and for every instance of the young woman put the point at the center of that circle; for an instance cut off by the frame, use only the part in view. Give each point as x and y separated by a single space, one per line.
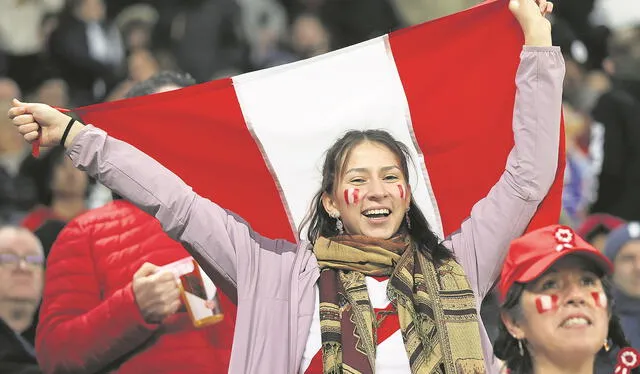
556 312
373 290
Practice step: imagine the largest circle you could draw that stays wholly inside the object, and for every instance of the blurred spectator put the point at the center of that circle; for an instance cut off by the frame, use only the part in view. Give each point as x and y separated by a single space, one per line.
576 194
136 24
9 89
21 270
623 249
265 26
596 228
47 233
584 81
48 25
350 22
142 65
52 91
623 63
576 55
615 134
17 192
205 36
137 35
414 12
20 36
354 21
309 36
68 188
576 17
87 50
104 291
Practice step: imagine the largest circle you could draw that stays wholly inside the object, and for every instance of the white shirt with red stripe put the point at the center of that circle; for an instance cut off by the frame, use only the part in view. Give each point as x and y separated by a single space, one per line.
391 356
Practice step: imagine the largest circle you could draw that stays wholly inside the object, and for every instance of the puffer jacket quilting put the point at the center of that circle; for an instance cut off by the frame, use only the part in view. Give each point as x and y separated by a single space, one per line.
89 320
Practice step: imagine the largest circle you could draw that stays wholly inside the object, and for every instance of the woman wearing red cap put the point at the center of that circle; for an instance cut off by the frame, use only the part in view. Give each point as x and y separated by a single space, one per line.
557 312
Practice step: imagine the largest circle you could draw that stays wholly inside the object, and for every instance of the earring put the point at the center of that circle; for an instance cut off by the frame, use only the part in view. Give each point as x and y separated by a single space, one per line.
520 348
339 225
406 216
606 345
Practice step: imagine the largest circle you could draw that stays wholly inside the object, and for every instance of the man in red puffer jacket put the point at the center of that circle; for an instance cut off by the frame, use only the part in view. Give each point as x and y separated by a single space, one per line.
105 306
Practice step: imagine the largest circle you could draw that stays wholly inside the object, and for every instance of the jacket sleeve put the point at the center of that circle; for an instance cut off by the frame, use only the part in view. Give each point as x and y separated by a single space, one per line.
219 240
483 239
80 331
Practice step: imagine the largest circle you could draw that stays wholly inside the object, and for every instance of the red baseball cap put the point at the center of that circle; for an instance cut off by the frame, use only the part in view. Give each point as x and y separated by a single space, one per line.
533 253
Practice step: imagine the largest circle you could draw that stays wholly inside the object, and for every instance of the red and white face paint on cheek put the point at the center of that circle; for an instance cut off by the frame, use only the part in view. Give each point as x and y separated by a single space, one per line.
546 303
600 298
403 194
351 195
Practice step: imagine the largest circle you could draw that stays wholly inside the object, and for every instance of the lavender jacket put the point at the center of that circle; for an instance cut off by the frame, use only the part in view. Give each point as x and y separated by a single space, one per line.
274 279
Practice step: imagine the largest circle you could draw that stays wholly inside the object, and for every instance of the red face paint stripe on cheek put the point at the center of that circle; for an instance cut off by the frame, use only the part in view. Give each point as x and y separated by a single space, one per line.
351 195
546 303
401 188
600 298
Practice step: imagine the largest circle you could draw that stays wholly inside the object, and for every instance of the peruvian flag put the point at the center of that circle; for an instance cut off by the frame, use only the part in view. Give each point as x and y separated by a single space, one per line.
255 143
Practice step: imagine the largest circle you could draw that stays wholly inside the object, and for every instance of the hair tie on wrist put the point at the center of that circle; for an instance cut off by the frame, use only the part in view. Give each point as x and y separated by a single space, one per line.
66 131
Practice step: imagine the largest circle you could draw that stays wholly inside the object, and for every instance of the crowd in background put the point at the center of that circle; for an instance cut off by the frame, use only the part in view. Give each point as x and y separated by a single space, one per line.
79 52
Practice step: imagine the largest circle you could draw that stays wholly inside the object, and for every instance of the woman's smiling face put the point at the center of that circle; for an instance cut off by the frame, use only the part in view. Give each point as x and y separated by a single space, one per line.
564 311
371 194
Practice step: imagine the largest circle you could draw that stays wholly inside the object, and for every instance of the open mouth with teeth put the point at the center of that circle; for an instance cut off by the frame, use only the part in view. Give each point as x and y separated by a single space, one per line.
576 322
376 213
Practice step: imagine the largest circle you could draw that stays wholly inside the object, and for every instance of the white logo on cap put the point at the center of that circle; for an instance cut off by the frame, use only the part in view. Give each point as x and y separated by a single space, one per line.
564 237
634 229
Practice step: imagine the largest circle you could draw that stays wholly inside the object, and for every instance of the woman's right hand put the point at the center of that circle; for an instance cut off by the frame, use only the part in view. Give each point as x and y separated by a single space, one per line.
31 117
531 15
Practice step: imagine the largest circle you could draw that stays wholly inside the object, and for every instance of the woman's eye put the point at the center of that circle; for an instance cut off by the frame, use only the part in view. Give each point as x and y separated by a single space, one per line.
548 284
391 178
589 280
357 180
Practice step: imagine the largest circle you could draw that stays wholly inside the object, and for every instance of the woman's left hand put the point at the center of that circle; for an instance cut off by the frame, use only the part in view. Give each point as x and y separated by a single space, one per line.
531 16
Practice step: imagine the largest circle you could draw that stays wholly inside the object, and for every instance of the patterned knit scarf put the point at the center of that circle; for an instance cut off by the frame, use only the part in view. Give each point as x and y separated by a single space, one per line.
436 307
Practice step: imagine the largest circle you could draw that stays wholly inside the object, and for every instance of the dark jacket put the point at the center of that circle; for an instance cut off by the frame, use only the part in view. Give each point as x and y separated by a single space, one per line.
16 355
69 46
616 137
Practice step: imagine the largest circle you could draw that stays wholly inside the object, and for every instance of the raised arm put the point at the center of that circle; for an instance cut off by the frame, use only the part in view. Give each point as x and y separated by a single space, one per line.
217 239
483 239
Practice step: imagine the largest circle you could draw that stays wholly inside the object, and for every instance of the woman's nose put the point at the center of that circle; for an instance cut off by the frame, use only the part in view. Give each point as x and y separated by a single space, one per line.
377 189
575 294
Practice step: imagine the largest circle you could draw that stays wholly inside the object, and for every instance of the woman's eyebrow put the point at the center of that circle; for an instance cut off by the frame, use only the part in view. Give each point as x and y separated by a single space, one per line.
356 170
361 170
387 168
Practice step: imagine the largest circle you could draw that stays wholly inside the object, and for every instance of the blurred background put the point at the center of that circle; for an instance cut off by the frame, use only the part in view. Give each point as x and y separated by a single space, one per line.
79 52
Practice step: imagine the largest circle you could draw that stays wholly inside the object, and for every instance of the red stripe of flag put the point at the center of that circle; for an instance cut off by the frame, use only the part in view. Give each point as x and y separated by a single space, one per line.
201 135
462 105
